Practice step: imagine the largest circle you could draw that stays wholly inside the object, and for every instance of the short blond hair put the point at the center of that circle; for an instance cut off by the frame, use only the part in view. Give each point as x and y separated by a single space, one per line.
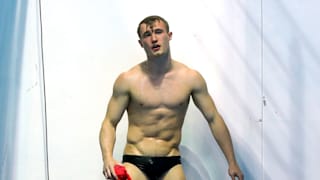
150 20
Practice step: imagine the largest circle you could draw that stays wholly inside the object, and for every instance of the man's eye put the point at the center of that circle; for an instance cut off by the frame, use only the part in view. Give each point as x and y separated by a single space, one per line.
146 34
158 31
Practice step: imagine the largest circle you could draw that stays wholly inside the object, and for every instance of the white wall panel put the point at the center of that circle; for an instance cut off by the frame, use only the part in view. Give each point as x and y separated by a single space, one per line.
291 76
87 44
22 149
248 52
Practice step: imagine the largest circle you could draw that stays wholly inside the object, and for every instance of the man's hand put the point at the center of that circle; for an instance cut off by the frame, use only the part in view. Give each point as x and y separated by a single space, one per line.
108 169
234 171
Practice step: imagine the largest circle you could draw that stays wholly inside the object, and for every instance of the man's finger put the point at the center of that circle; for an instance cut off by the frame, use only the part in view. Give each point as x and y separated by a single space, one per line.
241 177
236 176
233 175
107 174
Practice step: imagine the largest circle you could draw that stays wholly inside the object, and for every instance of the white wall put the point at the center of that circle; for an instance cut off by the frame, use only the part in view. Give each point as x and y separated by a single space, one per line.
22 145
291 76
260 60
88 44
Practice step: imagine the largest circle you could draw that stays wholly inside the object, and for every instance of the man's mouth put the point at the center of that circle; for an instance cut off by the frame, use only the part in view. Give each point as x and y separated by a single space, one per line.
155 47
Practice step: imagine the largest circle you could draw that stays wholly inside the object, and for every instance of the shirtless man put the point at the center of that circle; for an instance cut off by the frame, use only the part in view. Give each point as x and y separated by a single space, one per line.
156 94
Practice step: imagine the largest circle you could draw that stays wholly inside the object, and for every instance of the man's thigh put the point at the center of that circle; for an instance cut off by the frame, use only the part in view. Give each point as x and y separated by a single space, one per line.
134 172
175 173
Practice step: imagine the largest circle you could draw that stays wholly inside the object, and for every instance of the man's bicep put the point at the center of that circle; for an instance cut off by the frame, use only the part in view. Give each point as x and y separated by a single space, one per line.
203 100
118 102
116 107
204 103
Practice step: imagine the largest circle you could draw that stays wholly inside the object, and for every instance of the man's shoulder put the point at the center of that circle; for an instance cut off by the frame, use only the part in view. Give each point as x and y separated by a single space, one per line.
129 74
183 68
190 76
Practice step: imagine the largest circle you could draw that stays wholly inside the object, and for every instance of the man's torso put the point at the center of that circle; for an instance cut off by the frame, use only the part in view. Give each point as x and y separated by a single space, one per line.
156 111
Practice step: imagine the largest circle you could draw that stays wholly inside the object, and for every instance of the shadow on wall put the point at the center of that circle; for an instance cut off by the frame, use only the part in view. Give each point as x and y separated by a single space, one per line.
247 160
250 163
291 125
12 31
192 165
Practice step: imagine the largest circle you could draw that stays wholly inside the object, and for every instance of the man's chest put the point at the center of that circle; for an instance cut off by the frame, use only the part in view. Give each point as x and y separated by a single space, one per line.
169 93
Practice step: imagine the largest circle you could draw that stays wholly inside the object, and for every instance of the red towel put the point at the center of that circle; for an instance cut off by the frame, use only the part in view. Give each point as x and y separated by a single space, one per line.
121 172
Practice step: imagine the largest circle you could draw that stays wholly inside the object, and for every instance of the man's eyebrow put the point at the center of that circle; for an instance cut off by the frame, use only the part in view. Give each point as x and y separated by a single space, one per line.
158 29
146 33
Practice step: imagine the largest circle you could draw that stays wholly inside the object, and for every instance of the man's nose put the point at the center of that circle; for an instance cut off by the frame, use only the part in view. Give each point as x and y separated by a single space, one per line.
154 37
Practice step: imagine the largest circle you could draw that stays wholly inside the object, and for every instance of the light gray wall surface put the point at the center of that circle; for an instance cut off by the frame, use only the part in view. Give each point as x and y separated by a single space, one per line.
260 60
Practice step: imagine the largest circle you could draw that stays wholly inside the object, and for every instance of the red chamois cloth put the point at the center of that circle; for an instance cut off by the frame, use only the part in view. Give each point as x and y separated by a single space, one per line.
121 172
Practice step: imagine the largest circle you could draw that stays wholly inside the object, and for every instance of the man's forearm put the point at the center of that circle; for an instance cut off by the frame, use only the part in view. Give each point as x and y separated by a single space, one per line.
107 140
223 138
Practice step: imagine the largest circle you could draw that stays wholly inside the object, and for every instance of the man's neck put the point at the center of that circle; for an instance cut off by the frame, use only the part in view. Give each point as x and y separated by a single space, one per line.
158 66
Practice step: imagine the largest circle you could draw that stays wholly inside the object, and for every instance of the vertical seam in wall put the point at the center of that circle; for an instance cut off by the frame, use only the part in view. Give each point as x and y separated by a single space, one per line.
43 94
262 90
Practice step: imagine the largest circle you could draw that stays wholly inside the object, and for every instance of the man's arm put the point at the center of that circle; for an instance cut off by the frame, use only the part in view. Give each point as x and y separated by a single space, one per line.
116 107
205 103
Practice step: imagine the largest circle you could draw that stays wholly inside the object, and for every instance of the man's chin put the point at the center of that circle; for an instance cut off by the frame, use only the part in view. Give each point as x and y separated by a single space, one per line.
157 54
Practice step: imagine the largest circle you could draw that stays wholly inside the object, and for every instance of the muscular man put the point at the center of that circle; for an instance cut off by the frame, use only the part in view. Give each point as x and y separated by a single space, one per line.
155 94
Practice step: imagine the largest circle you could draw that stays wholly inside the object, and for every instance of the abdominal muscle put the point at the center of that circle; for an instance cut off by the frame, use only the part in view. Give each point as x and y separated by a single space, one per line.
154 133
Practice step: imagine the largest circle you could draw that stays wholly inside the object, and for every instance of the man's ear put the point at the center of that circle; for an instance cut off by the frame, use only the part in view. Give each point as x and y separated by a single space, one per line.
140 43
170 35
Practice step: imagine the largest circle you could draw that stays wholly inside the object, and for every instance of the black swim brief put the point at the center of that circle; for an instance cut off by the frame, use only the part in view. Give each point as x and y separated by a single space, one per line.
152 167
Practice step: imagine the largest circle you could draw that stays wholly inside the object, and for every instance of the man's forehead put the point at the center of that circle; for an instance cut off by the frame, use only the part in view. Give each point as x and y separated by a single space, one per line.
152 25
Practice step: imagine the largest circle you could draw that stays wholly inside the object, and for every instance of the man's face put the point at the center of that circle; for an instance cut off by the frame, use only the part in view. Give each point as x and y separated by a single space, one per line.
155 39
